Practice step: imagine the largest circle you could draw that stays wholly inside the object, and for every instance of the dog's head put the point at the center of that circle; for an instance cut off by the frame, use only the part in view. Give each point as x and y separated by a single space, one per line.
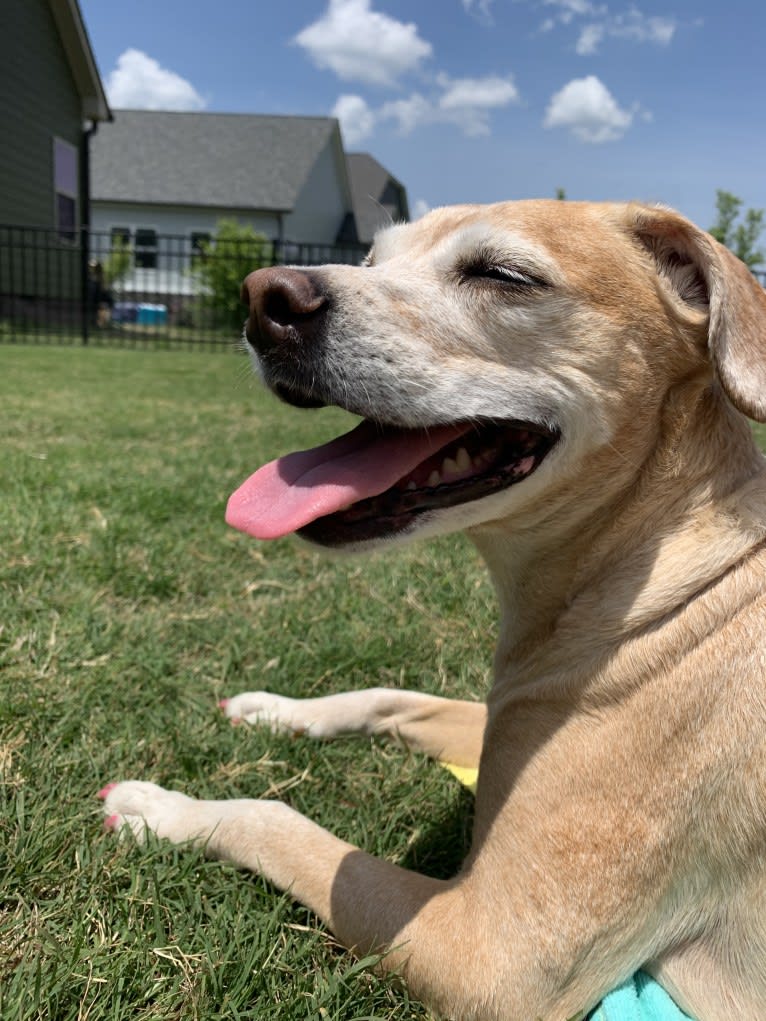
491 352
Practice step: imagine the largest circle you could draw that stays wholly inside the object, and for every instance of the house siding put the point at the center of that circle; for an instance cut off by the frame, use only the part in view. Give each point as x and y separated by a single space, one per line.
321 205
178 221
40 102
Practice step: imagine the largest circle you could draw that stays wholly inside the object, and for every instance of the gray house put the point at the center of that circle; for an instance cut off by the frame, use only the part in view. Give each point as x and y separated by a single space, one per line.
161 181
179 173
51 100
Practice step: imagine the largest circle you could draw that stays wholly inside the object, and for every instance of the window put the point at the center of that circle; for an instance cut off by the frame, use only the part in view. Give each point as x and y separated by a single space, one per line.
200 242
65 181
120 237
146 247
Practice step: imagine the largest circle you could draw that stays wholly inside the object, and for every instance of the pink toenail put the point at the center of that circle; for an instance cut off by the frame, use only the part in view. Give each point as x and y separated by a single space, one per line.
111 821
235 721
223 703
104 792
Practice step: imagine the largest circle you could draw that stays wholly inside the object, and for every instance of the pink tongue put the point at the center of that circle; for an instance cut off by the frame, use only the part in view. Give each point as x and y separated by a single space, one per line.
287 494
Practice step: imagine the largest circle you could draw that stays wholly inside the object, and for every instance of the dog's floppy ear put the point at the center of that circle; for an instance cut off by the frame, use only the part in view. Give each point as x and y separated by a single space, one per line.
707 277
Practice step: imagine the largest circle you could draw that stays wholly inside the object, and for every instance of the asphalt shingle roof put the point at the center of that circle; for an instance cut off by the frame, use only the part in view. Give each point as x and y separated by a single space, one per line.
234 161
369 181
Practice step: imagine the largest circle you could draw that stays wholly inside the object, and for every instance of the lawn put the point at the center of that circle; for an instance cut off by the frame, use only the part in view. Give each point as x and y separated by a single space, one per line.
128 608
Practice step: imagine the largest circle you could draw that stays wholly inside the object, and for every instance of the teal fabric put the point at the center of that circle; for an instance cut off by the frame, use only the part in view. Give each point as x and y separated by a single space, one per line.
639 999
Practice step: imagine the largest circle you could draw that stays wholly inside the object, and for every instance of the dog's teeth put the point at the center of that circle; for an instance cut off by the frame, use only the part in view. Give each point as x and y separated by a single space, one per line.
412 484
434 478
463 460
449 467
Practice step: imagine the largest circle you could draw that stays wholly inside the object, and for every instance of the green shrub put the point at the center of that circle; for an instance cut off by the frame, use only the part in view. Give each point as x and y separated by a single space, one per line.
225 261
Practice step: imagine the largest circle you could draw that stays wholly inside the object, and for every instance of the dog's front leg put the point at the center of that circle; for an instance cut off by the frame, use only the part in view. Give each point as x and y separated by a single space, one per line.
453 942
370 904
266 837
443 728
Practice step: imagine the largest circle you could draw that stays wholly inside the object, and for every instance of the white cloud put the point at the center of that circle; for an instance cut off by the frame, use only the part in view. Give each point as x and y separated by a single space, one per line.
488 92
464 102
633 25
409 113
139 82
419 209
360 44
643 29
482 8
589 40
357 119
575 8
588 109
467 102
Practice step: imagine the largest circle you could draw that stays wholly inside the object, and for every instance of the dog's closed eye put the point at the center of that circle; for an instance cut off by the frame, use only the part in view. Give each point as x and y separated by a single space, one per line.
489 268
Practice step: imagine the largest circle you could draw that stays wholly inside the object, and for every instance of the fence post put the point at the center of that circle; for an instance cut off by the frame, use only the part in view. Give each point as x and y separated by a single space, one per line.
84 284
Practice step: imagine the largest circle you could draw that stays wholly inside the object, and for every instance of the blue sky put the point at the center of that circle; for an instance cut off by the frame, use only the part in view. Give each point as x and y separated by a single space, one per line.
475 100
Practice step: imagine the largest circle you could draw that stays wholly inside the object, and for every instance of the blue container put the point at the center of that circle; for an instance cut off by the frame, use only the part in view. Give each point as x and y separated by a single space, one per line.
152 315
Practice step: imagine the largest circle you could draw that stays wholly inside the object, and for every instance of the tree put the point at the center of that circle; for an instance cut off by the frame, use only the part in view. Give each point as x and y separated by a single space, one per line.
224 262
740 237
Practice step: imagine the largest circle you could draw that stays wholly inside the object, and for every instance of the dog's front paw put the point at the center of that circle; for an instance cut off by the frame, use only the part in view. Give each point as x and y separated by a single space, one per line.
138 806
278 712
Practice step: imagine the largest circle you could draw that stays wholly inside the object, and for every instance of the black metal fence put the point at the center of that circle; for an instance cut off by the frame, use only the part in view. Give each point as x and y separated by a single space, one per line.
145 290
149 290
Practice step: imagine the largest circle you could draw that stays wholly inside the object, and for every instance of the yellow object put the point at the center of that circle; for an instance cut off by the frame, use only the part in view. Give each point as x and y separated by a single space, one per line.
467 775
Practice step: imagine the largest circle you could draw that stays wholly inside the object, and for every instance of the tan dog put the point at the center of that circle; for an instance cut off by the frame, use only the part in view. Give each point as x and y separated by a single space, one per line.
568 382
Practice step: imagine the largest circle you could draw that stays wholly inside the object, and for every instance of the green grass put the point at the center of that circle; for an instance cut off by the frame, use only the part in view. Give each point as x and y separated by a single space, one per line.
127 609
131 336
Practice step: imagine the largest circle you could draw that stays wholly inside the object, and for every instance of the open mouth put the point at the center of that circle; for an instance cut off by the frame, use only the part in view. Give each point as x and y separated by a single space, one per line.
378 480
485 459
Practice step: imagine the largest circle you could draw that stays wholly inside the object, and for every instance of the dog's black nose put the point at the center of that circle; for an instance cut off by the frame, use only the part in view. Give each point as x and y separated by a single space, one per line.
286 306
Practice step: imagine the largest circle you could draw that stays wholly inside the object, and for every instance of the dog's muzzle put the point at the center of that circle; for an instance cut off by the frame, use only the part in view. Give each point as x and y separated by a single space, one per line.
382 478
